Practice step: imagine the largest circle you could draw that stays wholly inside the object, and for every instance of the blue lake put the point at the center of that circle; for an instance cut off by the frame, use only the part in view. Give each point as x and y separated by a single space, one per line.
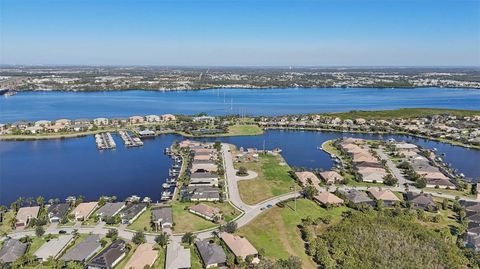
63 167
53 105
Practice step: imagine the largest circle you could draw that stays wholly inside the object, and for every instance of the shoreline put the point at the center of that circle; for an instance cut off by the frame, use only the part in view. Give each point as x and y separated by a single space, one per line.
226 87
20 138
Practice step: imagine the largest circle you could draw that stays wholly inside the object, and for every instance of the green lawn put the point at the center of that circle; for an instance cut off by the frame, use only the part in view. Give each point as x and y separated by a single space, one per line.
465 193
188 222
160 262
124 261
236 130
37 242
195 259
143 223
275 231
273 179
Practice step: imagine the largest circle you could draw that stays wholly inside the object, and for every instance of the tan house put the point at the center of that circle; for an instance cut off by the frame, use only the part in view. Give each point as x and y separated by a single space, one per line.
331 177
307 178
84 210
25 214
100 121
386 195
152 118
205 211
63 122
136 119
43 123
168 117
240 246
327 198
144 255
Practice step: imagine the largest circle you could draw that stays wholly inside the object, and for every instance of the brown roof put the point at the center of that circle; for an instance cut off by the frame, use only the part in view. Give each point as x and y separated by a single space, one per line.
328 198
25 213
205 210
83 210
304 176
383 194
143 255
240 246
331 176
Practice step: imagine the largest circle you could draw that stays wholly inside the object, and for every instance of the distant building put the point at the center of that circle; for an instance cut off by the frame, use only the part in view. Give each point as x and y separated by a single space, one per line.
136 119
100 121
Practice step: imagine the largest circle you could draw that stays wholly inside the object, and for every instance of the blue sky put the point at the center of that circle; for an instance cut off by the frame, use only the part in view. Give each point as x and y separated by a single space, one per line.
253 33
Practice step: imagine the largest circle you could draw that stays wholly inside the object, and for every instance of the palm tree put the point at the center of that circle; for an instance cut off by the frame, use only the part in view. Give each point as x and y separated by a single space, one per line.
40 200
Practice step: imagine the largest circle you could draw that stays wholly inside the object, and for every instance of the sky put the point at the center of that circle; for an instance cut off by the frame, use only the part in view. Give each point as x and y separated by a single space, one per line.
241 33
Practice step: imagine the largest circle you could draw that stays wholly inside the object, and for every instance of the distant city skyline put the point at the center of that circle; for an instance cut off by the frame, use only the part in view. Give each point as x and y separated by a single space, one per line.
241 33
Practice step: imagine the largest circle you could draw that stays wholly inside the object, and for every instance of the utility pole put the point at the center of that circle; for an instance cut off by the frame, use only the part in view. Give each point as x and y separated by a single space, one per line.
295 190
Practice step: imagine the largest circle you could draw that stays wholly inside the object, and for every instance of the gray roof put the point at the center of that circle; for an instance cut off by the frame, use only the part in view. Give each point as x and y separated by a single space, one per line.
163 213
84 249
58 210
356 196
211 253
12 250
204 192
421 199
109 209
53 247
177 256
108 256
203 175
131 210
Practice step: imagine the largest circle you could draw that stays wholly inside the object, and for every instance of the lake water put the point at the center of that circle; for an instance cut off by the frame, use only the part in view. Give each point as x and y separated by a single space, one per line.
53 105
63 167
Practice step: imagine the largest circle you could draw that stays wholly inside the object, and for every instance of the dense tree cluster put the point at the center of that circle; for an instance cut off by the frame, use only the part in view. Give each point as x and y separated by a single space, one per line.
383 240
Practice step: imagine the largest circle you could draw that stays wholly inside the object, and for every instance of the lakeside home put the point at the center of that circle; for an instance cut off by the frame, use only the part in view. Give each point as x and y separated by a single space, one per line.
205 211
84 210
57 212
163 218
131 212
25 214
110 209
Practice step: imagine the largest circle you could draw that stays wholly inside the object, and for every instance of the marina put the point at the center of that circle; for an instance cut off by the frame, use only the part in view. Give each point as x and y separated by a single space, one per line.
105 141
129 140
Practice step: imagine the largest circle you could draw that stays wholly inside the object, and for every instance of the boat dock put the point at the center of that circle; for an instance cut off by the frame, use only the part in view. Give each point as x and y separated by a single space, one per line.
130 141
170 185
105 141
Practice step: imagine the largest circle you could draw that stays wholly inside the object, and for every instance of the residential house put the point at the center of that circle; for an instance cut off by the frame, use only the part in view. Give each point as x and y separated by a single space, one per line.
109 257
205 211
177 257
145 255
212 255
204 179
307 178
25 214
63 122
43 123
131 212
420 200
34 129
239 246
152 118
84 250
357 197
110 209
11 250
327 198
53 248
203 166
331 177
84 210
57 212
100 121
163 218
204 193
136 119
387 196
168 117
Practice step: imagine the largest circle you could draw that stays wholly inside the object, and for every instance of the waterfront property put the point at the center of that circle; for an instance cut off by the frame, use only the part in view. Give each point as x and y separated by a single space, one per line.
25 214
53 248
212 255
203 193
162 218
131 212
83 250
110 209
57 212
12 249
109 257
84 210
331 177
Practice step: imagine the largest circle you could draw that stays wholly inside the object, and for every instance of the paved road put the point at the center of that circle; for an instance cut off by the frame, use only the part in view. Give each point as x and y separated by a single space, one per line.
393 168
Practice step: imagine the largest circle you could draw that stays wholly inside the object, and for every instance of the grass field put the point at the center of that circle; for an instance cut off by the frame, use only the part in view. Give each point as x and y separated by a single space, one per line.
235 130
188 222
402 113
273 179
143 222
275 231
195 259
